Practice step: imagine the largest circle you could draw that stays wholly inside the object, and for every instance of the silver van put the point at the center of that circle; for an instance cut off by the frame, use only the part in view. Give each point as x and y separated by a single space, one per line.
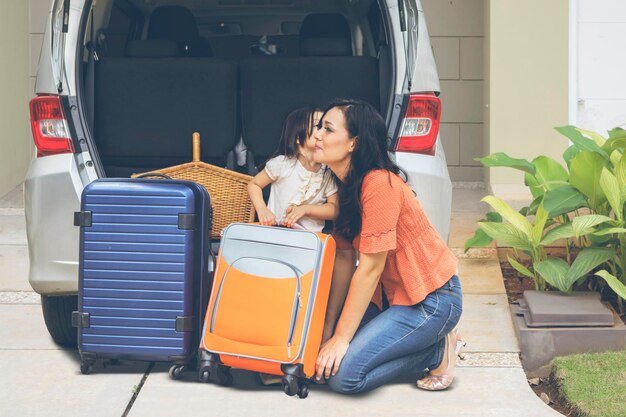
122 84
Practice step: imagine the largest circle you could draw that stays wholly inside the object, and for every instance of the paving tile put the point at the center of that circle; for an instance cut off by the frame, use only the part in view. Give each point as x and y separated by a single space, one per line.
23 327
486 252
49 383
486 324
20 297
468 200
14 267
481 276
13 199
472 394
13 230
463 225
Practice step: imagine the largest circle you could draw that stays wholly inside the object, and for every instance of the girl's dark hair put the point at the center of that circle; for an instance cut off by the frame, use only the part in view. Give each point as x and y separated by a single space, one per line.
298 126
365 124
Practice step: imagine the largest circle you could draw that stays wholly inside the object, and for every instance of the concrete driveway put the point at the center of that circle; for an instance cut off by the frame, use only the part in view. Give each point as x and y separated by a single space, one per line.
41 379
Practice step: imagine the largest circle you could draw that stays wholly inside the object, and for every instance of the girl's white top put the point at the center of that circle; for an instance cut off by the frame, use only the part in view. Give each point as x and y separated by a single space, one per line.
294 185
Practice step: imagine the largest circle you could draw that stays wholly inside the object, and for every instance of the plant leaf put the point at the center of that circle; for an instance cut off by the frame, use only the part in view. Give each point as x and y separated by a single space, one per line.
500 159
620 173
596 137
586 260
553 271
533 185
615 284
540 223
563 200
609 230
612 191
615 144
563 231
585 171
480 239
506 234
581 142
550 173
617 132
520 268
569 154
584 224
512 216
492 216
615 157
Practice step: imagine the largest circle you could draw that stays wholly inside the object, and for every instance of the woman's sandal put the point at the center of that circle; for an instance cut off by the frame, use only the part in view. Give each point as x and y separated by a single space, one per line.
441 377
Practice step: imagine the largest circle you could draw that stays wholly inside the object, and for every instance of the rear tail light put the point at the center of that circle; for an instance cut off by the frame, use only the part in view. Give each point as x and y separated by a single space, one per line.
49 126
420 126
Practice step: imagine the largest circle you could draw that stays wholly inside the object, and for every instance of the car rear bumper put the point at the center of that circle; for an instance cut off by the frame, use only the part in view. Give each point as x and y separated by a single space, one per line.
52 194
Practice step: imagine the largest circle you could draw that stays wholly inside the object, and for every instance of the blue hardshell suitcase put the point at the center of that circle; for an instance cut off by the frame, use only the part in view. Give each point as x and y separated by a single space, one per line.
144 270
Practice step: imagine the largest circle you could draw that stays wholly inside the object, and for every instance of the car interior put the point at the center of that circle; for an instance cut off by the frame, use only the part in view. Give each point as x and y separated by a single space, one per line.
229 69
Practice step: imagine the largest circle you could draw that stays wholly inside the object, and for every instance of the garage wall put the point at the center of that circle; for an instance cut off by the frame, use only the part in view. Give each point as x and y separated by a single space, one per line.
15 139
456 30
528 83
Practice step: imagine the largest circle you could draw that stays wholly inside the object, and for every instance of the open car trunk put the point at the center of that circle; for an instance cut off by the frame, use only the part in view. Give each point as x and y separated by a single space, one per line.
229 71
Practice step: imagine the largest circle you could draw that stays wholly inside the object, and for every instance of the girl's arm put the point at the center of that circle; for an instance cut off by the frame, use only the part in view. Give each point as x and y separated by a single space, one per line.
255 191
326 211
362 286
345 262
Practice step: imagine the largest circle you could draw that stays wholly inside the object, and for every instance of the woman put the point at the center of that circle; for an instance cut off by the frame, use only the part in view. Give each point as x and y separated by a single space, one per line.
399 251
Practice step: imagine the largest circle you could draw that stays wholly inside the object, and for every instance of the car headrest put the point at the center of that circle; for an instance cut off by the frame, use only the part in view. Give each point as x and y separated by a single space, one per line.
153 48
174 23
325 34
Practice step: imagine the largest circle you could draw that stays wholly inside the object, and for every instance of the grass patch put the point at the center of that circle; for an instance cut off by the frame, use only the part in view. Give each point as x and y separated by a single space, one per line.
592 384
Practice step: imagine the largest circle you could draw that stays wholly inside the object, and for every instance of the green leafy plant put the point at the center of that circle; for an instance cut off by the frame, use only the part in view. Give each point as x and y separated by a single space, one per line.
582 203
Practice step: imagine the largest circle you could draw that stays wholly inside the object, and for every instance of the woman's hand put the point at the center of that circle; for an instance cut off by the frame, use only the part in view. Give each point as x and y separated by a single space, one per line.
330 357
266 217
293 214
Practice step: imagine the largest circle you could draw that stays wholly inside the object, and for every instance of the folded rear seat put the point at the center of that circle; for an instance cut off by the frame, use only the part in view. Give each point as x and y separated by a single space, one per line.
326 69
150 102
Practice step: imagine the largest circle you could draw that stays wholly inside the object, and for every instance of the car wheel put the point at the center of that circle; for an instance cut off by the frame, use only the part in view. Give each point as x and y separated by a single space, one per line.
57 313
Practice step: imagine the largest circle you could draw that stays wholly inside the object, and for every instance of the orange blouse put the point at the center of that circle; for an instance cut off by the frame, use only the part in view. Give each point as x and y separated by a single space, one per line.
418 260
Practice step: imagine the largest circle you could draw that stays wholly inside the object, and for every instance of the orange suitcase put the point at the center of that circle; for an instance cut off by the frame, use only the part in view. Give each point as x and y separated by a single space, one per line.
267 307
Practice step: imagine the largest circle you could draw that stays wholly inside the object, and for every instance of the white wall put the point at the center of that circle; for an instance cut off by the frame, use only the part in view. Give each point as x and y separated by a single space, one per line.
601 64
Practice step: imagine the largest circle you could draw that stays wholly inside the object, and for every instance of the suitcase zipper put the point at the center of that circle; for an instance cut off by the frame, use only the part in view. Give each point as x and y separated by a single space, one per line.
297 303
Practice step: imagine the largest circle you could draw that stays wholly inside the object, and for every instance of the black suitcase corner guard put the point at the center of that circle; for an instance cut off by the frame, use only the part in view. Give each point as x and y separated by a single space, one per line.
184 323
186 221
82 218
80 320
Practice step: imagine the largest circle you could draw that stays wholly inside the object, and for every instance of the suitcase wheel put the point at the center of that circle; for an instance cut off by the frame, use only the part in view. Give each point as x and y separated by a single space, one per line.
205 368
290 385
224 377
176 371
303 389
86 368
204 376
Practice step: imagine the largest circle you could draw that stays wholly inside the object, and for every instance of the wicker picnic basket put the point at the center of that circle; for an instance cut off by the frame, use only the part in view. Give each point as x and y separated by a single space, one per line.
228 189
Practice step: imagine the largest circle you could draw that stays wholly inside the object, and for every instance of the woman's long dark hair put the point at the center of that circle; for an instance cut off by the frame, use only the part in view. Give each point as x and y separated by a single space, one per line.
297 127
365 124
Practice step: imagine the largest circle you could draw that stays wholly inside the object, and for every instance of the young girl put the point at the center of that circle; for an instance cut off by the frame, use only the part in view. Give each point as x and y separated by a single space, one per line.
303 193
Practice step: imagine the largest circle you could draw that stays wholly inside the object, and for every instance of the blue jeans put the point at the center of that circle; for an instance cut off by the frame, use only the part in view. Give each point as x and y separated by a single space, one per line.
400 341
